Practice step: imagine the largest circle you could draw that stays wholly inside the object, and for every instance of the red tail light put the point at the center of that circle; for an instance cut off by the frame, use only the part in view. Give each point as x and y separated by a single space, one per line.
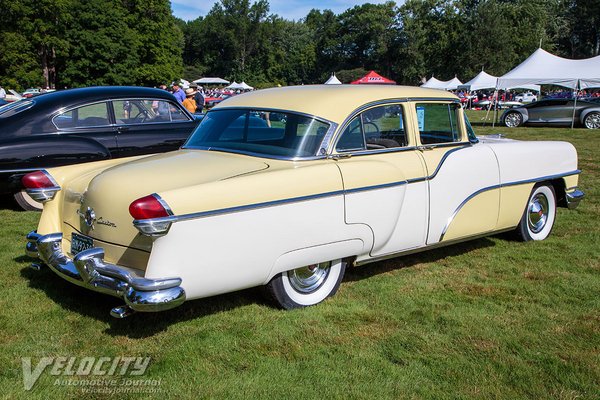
38 180
149 207
40 186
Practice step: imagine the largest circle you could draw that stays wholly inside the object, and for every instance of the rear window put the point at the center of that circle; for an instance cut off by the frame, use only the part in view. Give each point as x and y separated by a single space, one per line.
10 109
264 132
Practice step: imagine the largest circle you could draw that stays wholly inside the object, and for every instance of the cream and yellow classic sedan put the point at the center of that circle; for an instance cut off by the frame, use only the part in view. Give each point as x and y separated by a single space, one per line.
286 188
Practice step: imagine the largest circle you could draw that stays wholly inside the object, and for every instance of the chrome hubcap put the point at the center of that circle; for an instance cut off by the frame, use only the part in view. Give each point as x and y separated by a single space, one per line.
512 120
538 213
592 121
310 278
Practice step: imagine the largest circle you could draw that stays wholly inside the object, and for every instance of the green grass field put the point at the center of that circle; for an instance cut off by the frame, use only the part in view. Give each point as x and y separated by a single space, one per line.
487 319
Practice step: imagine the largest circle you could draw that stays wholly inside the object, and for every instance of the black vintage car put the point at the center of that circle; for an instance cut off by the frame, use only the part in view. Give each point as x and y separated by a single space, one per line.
88 124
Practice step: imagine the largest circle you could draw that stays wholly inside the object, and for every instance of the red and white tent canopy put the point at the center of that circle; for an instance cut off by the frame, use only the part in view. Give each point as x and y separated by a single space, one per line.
373 78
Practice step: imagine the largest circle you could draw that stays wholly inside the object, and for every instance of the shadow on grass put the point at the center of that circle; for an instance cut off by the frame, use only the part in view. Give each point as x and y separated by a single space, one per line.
141 325
8 203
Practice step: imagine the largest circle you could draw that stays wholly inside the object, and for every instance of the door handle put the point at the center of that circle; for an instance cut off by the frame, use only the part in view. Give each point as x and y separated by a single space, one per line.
427 147
122 129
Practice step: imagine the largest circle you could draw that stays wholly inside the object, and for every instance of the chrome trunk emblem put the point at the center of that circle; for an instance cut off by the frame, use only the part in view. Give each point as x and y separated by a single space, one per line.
89 217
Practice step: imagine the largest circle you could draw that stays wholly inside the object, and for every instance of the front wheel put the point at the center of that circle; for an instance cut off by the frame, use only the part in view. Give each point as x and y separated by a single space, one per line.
513 119
592 120
538 218
306 286
26 202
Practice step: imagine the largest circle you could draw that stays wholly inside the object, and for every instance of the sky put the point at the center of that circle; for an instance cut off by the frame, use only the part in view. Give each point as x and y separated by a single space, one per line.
288 9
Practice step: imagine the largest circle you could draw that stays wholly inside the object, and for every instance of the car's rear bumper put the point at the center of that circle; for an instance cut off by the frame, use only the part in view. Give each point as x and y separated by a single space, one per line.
89 270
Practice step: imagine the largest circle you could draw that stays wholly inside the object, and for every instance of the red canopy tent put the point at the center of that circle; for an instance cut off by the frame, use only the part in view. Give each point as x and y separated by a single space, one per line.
373 78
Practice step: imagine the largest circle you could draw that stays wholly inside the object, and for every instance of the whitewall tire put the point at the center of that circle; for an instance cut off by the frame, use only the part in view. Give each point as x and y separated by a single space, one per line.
306 286
26 202
539 215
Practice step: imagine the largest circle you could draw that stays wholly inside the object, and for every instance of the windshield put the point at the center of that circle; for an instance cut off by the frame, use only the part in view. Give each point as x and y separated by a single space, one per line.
262 132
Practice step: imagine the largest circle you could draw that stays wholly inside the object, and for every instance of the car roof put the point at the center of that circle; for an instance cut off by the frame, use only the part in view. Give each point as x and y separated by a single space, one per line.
70 97
331 102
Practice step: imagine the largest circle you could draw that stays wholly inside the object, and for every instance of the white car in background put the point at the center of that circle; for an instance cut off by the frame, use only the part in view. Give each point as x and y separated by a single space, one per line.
12 96
526 97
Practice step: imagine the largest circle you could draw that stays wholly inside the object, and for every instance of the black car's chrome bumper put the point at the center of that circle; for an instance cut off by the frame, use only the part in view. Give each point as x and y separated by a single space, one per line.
89 270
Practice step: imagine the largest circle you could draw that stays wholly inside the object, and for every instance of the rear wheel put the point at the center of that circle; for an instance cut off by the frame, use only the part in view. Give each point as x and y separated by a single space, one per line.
26 202
306 286
592 120
513 119
538 218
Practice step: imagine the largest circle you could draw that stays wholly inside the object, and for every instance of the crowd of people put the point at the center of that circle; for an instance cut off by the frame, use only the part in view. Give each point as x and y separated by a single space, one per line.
195 98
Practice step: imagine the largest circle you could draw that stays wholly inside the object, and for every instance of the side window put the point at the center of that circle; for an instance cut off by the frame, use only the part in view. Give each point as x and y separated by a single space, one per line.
438 123
376 128
352 138
384 127
133 111
166 111
146 111
92 115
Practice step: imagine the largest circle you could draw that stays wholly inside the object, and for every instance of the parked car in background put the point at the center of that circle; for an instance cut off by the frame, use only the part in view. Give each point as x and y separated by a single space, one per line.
81 125
31 92
554 112
527 97
334 176
12 95
210 102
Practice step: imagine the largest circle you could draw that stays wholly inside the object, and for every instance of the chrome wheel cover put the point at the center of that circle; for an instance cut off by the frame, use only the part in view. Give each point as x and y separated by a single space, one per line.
537 214
310 278
513 119
592 121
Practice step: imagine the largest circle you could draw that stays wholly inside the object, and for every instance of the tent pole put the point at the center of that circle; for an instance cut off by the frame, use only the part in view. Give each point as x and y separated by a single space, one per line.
575 104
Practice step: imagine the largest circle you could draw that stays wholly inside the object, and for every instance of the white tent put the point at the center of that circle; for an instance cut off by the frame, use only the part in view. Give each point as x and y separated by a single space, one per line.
433 83
211 81
234 86
184 84
245 86
453 84
483 80
333 80
544 68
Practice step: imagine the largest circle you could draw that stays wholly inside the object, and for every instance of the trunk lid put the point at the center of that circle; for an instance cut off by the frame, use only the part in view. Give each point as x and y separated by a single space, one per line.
110 193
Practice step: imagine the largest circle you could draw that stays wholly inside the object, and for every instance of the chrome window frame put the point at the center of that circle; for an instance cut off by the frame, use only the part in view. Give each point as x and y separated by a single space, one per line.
321 152
358 112
115 124
463 136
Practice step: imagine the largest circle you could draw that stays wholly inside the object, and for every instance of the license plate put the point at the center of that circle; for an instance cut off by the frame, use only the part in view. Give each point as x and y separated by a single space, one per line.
80 243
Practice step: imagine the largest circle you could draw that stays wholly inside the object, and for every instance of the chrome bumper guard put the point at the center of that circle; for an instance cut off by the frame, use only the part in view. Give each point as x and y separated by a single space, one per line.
573 198
89 270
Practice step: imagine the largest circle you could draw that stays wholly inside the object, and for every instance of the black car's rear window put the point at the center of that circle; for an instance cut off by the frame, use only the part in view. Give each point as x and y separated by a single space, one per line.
10 109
